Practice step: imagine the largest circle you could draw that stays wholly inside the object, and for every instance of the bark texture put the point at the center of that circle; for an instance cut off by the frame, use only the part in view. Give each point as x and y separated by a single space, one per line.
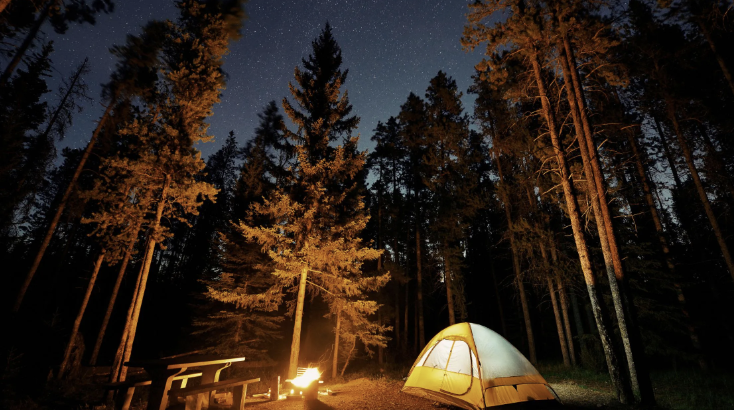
688 155
30 36
556 311
572 206
336 343
516 267
596 189
663 241
719 58
111 303
80 315
3 4
59 210
419 288
117 362
147 262
449 291
296 341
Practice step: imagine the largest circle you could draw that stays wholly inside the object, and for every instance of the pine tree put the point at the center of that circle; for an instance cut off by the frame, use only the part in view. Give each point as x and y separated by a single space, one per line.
387 210
597 183
244 267
61 14
311 240
413 125
164 167
134 76
522 28
672 95
4 4
22 113
449 178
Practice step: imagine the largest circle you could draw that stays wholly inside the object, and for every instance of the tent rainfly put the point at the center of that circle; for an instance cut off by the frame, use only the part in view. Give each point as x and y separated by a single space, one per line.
470 366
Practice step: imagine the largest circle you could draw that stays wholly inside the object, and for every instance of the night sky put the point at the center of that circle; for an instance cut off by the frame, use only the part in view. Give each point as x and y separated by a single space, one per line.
391 47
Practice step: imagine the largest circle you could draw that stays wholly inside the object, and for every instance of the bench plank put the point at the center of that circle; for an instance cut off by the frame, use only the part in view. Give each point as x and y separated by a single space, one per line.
146 382
193 396
122 401
211 386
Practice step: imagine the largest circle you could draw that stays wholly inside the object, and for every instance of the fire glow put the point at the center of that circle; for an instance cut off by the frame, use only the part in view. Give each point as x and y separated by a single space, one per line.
309 376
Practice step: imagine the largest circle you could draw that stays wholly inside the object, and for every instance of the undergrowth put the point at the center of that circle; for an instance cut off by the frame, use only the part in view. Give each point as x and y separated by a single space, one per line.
674 390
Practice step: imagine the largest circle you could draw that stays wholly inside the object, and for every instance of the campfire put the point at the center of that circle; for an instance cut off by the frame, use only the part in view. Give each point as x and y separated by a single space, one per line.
310 375
308 384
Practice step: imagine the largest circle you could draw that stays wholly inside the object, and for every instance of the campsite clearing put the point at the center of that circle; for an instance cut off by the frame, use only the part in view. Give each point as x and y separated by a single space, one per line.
384 394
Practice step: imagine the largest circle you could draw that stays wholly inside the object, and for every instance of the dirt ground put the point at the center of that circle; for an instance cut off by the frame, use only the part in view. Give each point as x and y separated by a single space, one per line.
385 394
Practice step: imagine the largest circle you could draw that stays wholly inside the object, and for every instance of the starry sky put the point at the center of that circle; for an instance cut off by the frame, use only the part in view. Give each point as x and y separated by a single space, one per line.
391 47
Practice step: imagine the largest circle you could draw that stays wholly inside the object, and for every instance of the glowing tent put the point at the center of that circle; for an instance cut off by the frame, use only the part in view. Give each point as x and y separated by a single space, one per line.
470 366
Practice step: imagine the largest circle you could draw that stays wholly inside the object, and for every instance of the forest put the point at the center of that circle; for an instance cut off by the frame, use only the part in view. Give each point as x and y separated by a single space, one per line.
582 208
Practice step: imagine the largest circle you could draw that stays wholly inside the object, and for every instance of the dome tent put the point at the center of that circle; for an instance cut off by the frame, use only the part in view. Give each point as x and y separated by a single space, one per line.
470 366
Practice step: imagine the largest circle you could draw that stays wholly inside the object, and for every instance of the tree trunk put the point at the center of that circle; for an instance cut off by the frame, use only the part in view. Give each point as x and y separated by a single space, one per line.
336 343
577 315
406 313
449 290
688 155
559 323
3 4
144 277
716 160
113 298
419 287
556 313
117 362
349 356
135 316
379 232
296 342
596 189
23 48
719 59
380 350
396 329
566 320
516 265
500 310
60 210
663 241
570 198
72 85
80 315
415 329
563 300
668 155
526 316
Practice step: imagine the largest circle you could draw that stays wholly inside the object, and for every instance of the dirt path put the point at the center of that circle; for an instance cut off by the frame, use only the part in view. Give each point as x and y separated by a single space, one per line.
385 394
357 394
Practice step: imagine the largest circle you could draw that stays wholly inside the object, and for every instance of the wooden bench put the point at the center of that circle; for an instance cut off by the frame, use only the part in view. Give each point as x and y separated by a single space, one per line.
193 396
122 401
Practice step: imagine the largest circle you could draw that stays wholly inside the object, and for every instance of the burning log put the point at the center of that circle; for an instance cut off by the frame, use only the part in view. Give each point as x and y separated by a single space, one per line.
307 384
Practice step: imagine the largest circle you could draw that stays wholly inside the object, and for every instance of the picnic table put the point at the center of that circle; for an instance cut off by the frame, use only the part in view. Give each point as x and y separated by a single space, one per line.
163 371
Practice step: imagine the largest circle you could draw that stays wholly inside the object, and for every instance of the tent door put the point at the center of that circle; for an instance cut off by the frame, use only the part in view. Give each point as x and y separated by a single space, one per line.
457 377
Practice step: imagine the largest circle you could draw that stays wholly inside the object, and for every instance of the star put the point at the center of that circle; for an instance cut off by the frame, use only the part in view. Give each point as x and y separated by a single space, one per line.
391 48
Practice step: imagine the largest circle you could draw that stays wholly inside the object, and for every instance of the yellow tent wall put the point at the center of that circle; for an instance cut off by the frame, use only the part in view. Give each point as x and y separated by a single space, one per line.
499 373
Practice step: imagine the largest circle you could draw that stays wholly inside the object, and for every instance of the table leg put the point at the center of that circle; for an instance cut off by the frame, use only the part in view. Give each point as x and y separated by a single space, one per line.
238 397
122 401
160 385
191 403
210 374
